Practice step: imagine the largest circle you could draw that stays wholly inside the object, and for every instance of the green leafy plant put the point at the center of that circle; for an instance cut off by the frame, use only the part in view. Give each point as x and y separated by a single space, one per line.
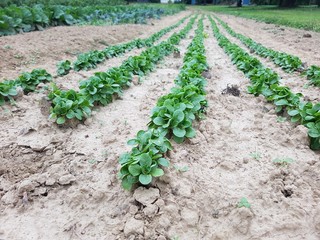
313 74
7 91
100 88
314 134
243 203
283 161
64 67
145 159
15 19
68 105
29 81
255 155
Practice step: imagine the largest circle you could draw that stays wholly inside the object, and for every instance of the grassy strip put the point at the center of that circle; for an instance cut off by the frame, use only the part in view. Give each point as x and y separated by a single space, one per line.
307 18
104 86
264 81
90 59
171 118
287 62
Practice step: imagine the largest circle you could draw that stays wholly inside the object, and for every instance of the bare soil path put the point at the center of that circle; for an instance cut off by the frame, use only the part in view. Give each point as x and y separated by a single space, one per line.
295 81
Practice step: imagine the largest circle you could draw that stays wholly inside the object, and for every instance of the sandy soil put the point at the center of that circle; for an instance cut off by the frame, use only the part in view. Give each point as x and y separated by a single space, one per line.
60 183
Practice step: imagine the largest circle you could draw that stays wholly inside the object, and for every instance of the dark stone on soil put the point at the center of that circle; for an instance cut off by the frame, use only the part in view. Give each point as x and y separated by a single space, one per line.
307 35
176 54
233 90
206 74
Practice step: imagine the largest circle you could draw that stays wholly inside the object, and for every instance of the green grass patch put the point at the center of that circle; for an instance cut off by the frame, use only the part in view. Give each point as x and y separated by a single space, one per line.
307 18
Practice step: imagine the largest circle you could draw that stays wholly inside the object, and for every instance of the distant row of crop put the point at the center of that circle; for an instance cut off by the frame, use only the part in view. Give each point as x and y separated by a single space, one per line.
18 19
78 3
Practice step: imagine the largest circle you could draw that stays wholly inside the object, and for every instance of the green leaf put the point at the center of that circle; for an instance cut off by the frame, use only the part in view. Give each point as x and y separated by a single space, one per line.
145 159
295 119
163 162
134 169
145 179
190 133
157 172
70 114
126 184
281 102
158 121
61 120
178 116
178 139
132 142
179 132
314 133
293 112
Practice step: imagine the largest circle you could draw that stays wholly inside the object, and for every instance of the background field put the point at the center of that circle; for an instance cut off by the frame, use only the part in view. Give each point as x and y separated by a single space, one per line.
302 17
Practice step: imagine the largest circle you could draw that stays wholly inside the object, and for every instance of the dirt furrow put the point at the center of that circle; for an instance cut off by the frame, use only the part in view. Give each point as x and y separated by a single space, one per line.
294 81
280 38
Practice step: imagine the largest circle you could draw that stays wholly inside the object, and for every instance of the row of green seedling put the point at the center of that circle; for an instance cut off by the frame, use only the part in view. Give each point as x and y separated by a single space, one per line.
287 62
28 82
171 119
266 82
103 87
89 60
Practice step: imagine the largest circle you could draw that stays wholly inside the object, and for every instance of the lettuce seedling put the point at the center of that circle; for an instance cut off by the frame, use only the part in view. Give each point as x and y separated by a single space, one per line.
68 105
7 91
100 88
29 81
63 67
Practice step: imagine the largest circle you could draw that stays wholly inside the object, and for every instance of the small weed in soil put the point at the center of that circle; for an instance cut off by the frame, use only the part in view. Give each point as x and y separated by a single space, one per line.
243 203
283 162
255 155
233 90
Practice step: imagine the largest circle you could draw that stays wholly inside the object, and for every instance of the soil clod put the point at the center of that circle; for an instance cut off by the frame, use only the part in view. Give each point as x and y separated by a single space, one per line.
232 90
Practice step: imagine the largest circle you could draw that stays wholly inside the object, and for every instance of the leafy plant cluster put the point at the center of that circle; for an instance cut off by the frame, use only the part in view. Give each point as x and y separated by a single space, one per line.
103 87
68 104
27 81
313 74
90 59
79 3
286 61
14 19
171 119
266 82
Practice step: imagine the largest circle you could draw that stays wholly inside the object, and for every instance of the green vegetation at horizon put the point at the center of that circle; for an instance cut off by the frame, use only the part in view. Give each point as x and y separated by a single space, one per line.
307 18
76 3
